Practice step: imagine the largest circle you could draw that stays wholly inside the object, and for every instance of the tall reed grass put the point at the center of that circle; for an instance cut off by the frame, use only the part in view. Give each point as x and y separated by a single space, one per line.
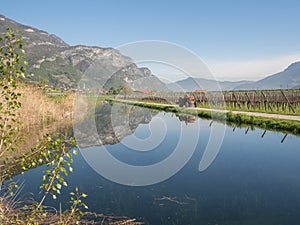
39 109
40 114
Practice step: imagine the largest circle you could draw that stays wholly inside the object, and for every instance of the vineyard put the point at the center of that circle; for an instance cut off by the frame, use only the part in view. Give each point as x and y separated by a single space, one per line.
271 101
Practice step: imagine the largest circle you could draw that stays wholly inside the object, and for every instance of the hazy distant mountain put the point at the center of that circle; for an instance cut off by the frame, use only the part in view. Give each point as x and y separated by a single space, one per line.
53 61
192 84
287 79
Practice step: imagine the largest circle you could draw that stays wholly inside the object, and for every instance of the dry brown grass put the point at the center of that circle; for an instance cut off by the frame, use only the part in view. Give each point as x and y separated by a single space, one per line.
40 115
39 109
12 213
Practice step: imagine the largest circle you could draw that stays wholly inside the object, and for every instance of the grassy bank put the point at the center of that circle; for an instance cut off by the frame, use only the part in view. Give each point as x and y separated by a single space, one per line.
267 110
38 108
286 126
19 213
40 115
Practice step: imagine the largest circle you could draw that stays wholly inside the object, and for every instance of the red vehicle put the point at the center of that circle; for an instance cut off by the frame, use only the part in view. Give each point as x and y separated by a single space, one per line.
187 101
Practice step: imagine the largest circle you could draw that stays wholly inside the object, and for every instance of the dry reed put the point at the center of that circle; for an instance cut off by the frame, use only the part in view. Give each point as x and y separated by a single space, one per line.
18 214
40 115
39 109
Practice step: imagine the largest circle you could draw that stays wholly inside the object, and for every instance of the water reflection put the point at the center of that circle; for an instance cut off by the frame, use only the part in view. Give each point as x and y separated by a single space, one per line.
252 180
109 123
116 121
186 118
152 154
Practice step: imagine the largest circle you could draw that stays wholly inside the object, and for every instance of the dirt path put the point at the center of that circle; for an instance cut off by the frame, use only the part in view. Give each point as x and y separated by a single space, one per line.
269 115
259 114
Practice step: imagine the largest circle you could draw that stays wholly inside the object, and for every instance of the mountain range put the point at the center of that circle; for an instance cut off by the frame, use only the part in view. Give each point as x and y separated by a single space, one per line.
287 79
52 61
192 84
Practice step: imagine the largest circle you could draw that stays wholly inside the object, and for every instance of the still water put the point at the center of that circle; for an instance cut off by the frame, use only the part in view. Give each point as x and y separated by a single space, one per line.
252 180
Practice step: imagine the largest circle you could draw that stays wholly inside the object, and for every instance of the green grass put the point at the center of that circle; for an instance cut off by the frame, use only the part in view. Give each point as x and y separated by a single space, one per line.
274 110
286 126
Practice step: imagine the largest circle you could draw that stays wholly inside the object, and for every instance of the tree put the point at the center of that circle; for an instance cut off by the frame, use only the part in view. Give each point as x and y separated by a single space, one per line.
52 152
113 91
12 67
125 89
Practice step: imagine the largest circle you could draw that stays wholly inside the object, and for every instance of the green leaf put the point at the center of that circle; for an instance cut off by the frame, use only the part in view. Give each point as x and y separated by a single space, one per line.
84 195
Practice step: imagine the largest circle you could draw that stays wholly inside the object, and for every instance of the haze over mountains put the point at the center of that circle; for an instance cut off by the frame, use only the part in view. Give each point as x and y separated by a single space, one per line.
287 79
191 84
53 61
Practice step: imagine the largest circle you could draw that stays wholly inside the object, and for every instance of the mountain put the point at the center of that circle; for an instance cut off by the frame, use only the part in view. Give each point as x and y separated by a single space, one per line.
287 79
192 84
51 60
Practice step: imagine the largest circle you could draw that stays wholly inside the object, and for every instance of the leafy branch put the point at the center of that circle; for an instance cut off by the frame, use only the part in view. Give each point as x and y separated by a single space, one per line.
54 152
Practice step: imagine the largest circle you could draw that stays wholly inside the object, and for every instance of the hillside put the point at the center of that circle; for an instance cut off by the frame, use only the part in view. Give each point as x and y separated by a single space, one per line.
191 84
287 79
52 61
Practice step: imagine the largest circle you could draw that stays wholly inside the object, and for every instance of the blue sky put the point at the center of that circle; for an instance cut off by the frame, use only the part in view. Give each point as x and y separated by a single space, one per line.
236 39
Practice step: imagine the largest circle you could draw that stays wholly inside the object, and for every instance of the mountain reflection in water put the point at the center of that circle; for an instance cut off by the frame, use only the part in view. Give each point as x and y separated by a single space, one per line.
253 180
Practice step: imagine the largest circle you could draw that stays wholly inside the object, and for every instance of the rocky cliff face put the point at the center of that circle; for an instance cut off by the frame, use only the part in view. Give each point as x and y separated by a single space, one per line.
53 61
